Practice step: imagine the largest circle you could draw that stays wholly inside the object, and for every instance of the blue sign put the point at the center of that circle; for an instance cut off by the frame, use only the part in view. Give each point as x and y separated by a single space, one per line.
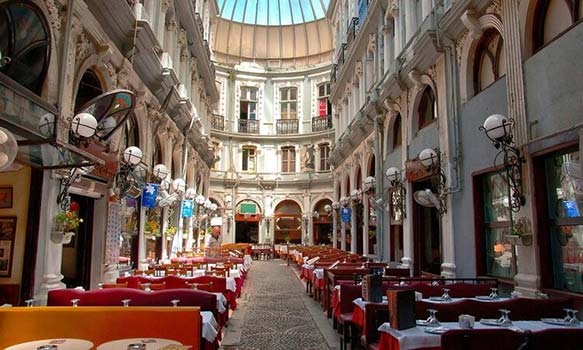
346 214
149 195
571 209
187 205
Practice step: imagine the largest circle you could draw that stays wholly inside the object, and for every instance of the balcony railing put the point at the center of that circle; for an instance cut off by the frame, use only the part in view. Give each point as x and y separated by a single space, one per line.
352 30
287 126
248 126
321 123
342 56
218 122
334 73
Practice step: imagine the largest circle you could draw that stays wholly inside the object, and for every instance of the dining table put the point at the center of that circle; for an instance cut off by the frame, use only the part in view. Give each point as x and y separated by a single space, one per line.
59 344
150 343
423 338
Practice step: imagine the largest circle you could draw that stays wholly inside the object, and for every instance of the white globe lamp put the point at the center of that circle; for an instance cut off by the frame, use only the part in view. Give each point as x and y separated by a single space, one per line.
428 157
84 125
132 155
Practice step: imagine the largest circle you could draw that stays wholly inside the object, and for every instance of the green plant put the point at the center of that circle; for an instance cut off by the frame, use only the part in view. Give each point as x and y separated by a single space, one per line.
153 227
67 221
170 231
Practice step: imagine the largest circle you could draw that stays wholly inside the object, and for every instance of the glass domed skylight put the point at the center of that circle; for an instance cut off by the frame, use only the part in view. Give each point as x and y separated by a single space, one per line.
273 12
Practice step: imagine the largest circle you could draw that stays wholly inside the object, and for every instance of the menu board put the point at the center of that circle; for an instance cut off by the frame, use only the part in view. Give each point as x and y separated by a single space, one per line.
113 236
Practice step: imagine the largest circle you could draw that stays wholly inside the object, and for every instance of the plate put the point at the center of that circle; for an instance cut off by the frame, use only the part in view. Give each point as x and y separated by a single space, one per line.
436 330
492 322
554 321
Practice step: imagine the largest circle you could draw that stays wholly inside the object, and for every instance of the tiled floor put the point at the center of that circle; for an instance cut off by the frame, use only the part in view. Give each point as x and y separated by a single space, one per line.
274 312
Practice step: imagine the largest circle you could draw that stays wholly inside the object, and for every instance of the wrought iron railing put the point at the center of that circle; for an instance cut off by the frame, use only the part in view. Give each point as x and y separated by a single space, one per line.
249 126
352 30
218 122
287 126
322 123
334 73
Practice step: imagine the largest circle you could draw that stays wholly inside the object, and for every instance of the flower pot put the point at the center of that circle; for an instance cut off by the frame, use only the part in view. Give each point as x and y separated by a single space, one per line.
524 239
61 237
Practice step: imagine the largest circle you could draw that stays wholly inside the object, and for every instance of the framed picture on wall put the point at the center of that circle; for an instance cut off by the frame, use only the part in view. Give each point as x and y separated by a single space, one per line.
5 197
7 236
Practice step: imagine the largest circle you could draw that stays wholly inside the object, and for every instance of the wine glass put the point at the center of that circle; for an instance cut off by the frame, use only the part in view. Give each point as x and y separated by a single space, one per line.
147 287
571 319
29 302
493 293
432 321
504 320
126 302
445 296
175 302
75 302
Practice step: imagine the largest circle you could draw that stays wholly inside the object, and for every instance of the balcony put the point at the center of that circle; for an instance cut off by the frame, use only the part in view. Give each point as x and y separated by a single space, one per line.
341 57
321 123
352 30
218 122
334 73
287 126
248 126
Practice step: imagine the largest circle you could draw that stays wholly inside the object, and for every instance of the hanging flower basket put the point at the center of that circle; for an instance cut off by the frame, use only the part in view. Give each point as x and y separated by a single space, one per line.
66 224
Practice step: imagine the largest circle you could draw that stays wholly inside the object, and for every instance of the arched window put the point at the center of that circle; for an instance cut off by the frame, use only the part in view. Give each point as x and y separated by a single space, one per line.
427 111
89 88
490 62
397 135
553 17
130 133
24 44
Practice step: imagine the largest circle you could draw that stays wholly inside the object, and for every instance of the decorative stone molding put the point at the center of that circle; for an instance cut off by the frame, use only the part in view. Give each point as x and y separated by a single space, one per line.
55 16
495 8
166 4
171 25
471 20
372 43
182 38
415 77
123 74
388 28
358 69
84 47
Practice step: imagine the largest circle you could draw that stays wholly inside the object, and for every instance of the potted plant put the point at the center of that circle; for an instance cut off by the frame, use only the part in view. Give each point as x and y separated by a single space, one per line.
521 234
66 224
152 230
170 232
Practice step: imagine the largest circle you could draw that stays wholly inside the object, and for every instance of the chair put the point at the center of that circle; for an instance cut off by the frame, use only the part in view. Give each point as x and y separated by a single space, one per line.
114 285
485 339
219 272
560 338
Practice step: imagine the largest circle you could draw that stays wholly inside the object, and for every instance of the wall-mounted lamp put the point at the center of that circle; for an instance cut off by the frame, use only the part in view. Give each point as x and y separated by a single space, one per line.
369 185
397 195
160 172
126 179
328 209
315 214
344 201
499 130
83 126
431 160
356 196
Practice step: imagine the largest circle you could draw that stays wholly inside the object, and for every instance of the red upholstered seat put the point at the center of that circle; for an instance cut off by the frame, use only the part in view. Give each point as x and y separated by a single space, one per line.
482 339
559 338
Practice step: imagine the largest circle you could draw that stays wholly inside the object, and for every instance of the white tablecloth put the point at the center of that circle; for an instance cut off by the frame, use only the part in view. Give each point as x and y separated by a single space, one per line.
361 303
319 273
151 343
416 337
437 300
221 302
235 273
198 273
209 326
231 285
247 260
63 344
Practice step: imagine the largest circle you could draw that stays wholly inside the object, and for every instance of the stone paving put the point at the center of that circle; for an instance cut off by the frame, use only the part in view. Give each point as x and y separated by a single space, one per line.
275 313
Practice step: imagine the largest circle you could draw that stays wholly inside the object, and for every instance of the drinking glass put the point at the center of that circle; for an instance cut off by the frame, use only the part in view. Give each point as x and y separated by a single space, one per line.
175 302
445 296
147 287
432 321
100 285
571 319
494 293
75 302
504 320
29 302
126 302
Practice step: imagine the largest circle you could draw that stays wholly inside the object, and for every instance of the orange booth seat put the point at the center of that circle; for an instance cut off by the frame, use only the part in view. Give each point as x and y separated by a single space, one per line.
100 324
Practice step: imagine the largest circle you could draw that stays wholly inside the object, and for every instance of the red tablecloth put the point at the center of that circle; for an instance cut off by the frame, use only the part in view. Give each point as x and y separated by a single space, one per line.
388 342
359 317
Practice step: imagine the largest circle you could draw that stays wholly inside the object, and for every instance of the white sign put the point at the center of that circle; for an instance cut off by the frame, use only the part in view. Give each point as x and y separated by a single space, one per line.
217 221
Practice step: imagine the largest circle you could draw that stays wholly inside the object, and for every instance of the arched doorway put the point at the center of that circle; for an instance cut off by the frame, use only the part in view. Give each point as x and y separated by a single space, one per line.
76 258
247 222
288 222
322 226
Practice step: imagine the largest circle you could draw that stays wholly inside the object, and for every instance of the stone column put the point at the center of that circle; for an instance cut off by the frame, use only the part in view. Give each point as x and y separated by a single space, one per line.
365 219
353 229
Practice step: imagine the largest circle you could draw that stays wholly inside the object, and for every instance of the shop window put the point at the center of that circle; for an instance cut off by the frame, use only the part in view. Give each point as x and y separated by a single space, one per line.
248 159
324 154
289 101
324 106
24 44
498 255
564 229
248 103
427 108
490 61
552 18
